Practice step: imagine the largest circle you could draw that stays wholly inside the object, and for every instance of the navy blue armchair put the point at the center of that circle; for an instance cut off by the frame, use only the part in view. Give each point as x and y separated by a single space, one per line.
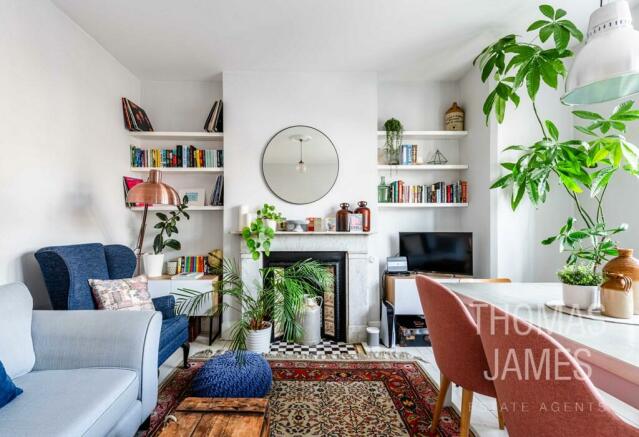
67 270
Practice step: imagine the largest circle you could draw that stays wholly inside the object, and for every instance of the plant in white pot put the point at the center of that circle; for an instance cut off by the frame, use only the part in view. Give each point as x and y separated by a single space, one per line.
580 286
278 298
167 225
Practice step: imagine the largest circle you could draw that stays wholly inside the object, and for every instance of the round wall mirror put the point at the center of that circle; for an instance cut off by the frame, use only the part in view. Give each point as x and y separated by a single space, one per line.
300 164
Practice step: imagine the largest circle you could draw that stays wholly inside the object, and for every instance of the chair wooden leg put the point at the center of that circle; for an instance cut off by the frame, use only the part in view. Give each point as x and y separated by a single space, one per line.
466 407
500 416
185 351
444 383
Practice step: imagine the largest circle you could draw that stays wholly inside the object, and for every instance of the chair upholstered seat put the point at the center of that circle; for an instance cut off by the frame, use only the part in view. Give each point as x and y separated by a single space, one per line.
64 402
174 334
67 270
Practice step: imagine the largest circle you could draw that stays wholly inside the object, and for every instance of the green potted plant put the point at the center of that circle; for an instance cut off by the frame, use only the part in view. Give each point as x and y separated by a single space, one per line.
580 285
167 226
260 232
394 132
277 298
580 167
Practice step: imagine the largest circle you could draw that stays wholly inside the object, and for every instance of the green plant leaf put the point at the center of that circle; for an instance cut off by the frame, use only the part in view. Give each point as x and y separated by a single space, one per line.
548 11
537 24
545 32
600 180
559 13
502 181
587 115
552 130
516 198
574 31
161 216
173 244
562 37
532 82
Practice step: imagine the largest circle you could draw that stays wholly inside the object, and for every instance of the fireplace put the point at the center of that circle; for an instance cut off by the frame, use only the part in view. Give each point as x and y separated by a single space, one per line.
334 300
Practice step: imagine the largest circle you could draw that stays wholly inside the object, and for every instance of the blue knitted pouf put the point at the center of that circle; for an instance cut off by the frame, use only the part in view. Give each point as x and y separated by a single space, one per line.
224 377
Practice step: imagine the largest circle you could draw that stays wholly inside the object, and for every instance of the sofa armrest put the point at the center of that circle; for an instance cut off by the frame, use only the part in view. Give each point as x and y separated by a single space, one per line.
120 339
165 305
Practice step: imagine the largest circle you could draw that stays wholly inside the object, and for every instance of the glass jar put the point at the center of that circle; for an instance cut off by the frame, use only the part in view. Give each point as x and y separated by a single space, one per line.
342 218
383 191
366 215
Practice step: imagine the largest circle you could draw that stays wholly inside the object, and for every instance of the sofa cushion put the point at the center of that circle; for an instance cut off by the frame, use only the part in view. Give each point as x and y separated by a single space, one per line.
174 333
16 347
130 294
8 390
76 402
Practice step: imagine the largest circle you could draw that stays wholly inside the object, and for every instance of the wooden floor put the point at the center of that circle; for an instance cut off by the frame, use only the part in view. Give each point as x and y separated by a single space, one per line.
484 410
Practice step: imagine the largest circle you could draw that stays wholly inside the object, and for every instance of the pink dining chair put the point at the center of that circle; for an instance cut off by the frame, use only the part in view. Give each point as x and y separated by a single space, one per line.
542 389
457 347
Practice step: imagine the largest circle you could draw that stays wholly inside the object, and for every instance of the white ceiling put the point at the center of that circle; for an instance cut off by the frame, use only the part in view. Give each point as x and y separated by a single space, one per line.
399 39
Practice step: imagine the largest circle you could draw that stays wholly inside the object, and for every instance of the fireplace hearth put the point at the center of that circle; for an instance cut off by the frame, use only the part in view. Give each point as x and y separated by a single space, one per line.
334 300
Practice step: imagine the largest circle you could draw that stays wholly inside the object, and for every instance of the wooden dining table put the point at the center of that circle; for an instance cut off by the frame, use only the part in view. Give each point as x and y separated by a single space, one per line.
610 350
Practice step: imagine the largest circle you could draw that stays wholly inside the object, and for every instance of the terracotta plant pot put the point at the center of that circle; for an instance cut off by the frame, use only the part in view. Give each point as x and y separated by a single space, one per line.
259 341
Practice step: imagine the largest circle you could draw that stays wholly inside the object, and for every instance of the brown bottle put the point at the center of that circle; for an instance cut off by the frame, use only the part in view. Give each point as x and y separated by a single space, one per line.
342 217
366 215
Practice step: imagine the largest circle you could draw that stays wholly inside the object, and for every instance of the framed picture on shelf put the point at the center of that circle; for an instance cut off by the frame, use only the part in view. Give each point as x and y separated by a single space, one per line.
195 196
356 222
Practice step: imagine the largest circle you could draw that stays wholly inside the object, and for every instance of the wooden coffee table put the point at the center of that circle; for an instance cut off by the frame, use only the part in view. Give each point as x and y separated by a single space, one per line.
223 417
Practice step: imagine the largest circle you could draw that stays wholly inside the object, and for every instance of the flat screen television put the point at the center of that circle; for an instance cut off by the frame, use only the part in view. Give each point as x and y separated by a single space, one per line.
438 252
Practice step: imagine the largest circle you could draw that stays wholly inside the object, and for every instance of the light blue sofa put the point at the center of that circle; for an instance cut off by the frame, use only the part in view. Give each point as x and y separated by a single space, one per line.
84 373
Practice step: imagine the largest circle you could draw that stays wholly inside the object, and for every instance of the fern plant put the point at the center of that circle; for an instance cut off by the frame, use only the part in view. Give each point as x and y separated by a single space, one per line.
277 298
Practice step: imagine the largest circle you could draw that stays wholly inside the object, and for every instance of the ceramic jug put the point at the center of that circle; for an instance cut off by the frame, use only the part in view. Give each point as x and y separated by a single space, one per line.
310 319
620 291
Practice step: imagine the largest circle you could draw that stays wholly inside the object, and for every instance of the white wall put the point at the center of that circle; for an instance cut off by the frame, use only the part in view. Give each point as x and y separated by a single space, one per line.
478 151
63 144
259 104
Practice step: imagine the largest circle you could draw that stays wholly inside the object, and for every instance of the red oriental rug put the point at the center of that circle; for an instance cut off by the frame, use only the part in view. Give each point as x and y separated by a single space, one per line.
337 398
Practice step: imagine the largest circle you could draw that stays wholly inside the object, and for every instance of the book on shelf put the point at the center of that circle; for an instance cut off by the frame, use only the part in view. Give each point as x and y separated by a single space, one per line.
135 118
193 264
217 194
408 154
128 183
215 120
181 156
439 192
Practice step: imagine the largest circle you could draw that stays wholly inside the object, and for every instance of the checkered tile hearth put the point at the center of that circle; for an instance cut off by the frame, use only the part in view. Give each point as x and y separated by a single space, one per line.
326 347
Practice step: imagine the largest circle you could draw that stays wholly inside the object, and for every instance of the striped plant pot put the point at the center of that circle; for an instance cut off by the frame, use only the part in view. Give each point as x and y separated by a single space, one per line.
259 341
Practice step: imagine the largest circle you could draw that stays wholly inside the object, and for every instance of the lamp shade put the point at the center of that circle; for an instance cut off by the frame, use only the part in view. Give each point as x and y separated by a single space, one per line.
153 191
607 66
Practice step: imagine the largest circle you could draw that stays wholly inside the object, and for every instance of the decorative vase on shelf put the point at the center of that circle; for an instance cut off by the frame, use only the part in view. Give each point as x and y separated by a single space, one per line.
270 223
366 215
153 264
392 155
382 191
342 218
454 118
620 291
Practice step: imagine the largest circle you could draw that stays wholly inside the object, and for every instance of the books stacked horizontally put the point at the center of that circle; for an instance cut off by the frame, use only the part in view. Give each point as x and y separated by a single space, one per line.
180 156
128 183
193 264
217 195
215 121
439 192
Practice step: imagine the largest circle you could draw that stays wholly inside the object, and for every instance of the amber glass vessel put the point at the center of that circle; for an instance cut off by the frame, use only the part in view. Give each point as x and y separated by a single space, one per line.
342 218
366 215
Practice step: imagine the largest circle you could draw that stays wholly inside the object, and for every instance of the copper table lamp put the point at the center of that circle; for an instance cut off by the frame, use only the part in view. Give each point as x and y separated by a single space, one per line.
151 192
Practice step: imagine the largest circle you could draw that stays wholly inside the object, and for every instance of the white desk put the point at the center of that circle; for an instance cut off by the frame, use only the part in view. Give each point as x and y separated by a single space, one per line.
614 347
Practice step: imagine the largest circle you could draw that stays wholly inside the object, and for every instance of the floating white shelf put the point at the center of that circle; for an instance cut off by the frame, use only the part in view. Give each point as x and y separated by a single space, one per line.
430 134
423 167
422 205
313 234
179 169
196 136
173 208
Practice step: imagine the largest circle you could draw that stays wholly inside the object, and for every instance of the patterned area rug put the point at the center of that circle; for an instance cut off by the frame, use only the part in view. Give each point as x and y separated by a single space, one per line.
335 397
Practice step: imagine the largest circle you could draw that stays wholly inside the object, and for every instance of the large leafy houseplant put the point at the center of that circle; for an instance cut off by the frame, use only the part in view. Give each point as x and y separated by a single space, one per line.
394 134
167 224
277 298
579 166
258 234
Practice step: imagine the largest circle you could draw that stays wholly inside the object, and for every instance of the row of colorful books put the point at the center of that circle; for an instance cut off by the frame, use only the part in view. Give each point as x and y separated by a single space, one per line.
180 156
193 264
217 195
439 192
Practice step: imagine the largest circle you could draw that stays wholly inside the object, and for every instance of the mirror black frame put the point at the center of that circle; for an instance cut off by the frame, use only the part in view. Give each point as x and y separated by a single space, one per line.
262 164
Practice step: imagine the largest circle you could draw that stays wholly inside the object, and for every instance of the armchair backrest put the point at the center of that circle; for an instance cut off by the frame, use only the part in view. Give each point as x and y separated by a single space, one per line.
67 270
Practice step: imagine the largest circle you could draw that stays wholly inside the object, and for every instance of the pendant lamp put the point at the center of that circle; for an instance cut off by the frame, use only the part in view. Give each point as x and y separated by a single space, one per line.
607 66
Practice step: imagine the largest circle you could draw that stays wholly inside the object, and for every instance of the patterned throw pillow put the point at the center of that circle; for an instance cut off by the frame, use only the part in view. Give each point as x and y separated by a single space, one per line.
122 294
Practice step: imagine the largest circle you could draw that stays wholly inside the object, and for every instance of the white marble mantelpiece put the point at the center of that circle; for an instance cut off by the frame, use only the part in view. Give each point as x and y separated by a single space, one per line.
361 269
